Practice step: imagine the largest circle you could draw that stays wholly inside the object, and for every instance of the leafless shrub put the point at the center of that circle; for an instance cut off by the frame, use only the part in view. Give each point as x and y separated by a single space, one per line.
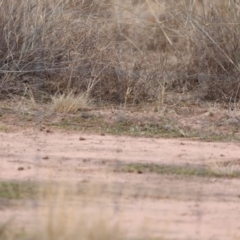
214 36
108 48
44 45
54 46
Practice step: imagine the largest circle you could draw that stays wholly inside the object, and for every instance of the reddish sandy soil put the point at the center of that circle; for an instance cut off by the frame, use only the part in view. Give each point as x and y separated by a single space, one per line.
147 204
168 206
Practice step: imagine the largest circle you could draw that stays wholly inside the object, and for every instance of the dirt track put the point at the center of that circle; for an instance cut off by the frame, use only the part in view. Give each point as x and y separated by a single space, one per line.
173 207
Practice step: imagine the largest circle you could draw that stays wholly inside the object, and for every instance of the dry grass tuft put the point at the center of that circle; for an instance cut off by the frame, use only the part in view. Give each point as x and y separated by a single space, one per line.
64 214
230 168
65 220
70 102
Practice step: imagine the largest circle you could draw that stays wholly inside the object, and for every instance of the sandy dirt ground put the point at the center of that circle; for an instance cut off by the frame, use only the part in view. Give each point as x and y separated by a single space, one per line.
166 206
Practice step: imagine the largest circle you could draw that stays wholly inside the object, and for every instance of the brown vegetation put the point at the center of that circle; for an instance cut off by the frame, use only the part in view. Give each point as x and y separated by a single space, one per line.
120 51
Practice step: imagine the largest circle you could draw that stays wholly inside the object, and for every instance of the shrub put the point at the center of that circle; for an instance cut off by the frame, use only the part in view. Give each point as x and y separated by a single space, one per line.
214 35
120 51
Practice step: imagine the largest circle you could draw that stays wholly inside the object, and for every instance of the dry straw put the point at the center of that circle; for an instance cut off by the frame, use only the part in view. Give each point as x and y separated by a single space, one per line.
70 103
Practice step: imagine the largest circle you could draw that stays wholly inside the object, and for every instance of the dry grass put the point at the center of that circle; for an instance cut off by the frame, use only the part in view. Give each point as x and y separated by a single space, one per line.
70 103
120 51
215 47
67 222
62 214
231 168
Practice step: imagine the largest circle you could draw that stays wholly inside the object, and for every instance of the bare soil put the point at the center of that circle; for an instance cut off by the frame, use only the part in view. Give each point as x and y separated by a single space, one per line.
164 206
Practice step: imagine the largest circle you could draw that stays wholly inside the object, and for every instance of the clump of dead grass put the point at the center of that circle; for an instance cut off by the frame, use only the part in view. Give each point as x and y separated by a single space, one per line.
70 102
64 214
231 168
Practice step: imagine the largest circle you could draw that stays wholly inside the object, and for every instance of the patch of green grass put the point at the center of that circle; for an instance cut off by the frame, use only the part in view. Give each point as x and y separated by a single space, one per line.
18 190
164 129
77 123
148 130
4 128
182 170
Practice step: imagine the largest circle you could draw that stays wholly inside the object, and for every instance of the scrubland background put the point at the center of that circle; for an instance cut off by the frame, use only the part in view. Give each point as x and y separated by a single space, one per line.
120 51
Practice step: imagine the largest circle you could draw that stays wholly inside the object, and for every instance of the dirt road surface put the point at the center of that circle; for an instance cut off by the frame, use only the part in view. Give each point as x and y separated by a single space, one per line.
162 205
